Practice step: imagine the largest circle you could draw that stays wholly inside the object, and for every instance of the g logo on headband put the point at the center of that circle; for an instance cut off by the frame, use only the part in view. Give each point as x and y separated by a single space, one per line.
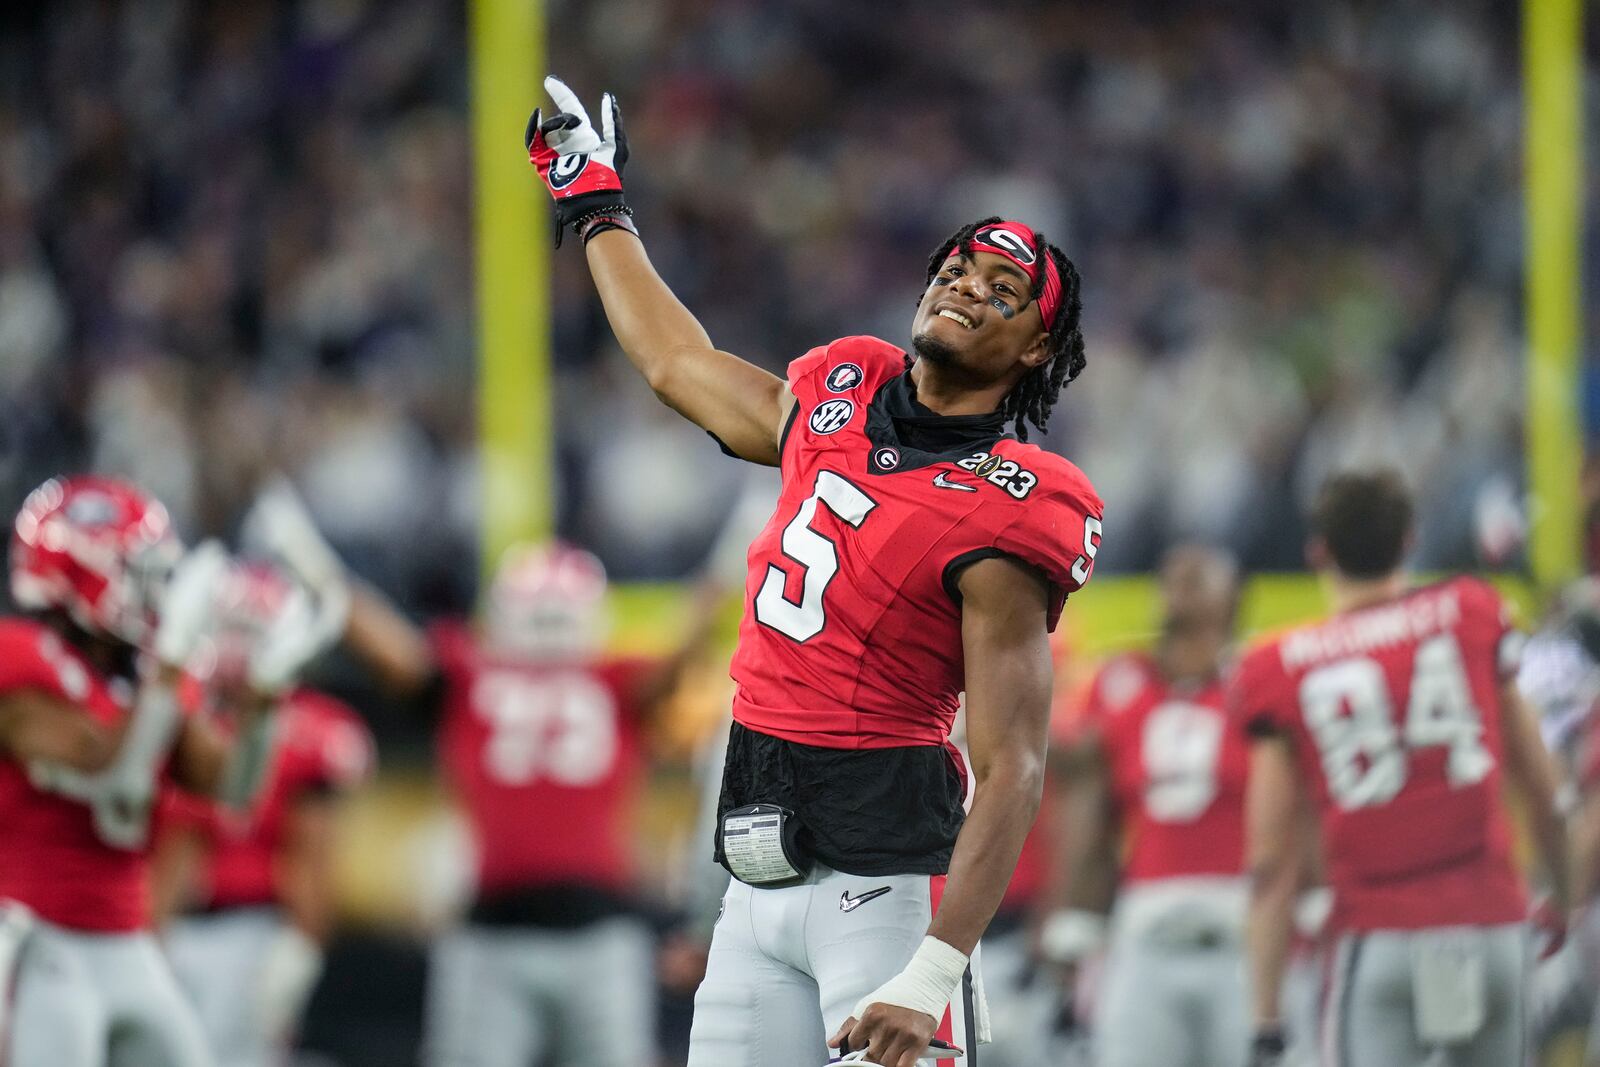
565 170
1012 242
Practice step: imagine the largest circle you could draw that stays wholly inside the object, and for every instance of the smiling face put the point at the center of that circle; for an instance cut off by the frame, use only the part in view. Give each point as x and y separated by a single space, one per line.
978 319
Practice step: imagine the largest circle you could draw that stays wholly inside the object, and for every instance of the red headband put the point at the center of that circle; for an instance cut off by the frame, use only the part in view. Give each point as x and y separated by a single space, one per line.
1018 243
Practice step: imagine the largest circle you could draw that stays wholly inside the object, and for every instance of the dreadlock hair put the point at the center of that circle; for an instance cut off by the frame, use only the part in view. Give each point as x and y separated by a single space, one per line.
1031 399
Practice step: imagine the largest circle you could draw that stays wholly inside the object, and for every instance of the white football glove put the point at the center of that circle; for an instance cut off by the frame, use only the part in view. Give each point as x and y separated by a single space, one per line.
280 524
189 602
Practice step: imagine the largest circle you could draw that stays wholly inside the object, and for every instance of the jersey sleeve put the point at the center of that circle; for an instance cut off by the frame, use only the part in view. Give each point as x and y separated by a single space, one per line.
31 658
1059 534
338 750
1489 613
1259 700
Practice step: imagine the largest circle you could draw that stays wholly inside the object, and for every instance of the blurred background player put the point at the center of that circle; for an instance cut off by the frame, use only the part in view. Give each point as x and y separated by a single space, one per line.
1155 829
91 728
245 898
542 740
1400 717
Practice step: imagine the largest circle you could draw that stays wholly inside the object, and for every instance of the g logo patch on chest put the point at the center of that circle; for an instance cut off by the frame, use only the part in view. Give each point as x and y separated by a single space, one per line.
844 377
830 416
886 458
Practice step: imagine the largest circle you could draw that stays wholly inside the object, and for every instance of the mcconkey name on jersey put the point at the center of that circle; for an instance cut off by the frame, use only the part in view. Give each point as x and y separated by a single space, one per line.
1393 712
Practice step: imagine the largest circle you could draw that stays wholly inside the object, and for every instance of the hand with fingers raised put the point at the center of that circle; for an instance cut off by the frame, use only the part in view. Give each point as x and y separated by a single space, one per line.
582 167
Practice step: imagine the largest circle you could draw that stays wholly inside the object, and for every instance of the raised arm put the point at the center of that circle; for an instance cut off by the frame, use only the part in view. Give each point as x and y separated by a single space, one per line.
742 405
1005 644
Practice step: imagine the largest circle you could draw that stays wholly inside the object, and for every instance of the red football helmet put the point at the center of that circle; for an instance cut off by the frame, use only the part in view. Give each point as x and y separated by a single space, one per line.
547 601
98 549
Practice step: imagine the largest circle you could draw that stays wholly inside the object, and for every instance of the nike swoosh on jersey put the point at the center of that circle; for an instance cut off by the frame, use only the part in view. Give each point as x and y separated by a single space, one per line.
850 903
939 480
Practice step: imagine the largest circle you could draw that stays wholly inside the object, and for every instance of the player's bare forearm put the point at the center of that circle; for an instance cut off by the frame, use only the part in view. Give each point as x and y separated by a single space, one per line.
1090 845
37 727
663 680
743 405
173 869
1006 649
305 867
1585 877
1533 774
391 645
1274 863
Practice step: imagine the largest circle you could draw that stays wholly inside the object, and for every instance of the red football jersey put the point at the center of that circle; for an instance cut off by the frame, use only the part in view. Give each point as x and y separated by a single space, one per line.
852 634
51 857
1394 715
321 746
1177 764
546 760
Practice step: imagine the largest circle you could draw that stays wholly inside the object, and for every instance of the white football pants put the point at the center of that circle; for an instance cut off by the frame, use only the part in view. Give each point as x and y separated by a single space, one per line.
787 967
97 1000
218 962
1385 1002
507 996
1175 992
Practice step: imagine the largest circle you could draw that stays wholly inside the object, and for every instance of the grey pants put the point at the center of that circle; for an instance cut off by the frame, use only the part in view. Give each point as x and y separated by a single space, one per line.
99 1000
788 965
509 997
1376 1006
217 960
1173 1006
1025 1005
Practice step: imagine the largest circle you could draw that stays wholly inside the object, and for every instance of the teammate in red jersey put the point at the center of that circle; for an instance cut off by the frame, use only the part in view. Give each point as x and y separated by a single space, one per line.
90 728
918 550
247 896
1400 717
1156 822
542 740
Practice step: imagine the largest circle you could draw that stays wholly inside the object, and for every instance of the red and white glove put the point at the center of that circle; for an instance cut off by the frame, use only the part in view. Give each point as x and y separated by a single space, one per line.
582 167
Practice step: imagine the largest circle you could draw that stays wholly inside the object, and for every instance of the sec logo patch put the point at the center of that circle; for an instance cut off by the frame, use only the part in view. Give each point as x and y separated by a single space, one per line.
831 416
844 377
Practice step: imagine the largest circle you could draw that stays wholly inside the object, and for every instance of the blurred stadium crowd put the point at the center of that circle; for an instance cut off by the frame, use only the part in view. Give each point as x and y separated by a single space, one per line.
237 236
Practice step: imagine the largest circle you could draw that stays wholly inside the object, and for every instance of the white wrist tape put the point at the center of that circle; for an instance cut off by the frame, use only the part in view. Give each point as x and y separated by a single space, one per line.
123 795
1070 934
926 984
248 761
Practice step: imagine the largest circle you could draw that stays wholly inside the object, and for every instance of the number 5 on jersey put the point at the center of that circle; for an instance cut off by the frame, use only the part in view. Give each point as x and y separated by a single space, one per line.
815 554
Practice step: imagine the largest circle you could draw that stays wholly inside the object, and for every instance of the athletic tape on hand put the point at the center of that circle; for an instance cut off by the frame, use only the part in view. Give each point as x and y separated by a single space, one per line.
926 984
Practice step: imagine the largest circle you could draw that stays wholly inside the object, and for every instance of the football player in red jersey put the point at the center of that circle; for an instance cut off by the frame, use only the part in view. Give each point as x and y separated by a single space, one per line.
918 550
1156 823
542 740
90 728
247 897
1400 716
